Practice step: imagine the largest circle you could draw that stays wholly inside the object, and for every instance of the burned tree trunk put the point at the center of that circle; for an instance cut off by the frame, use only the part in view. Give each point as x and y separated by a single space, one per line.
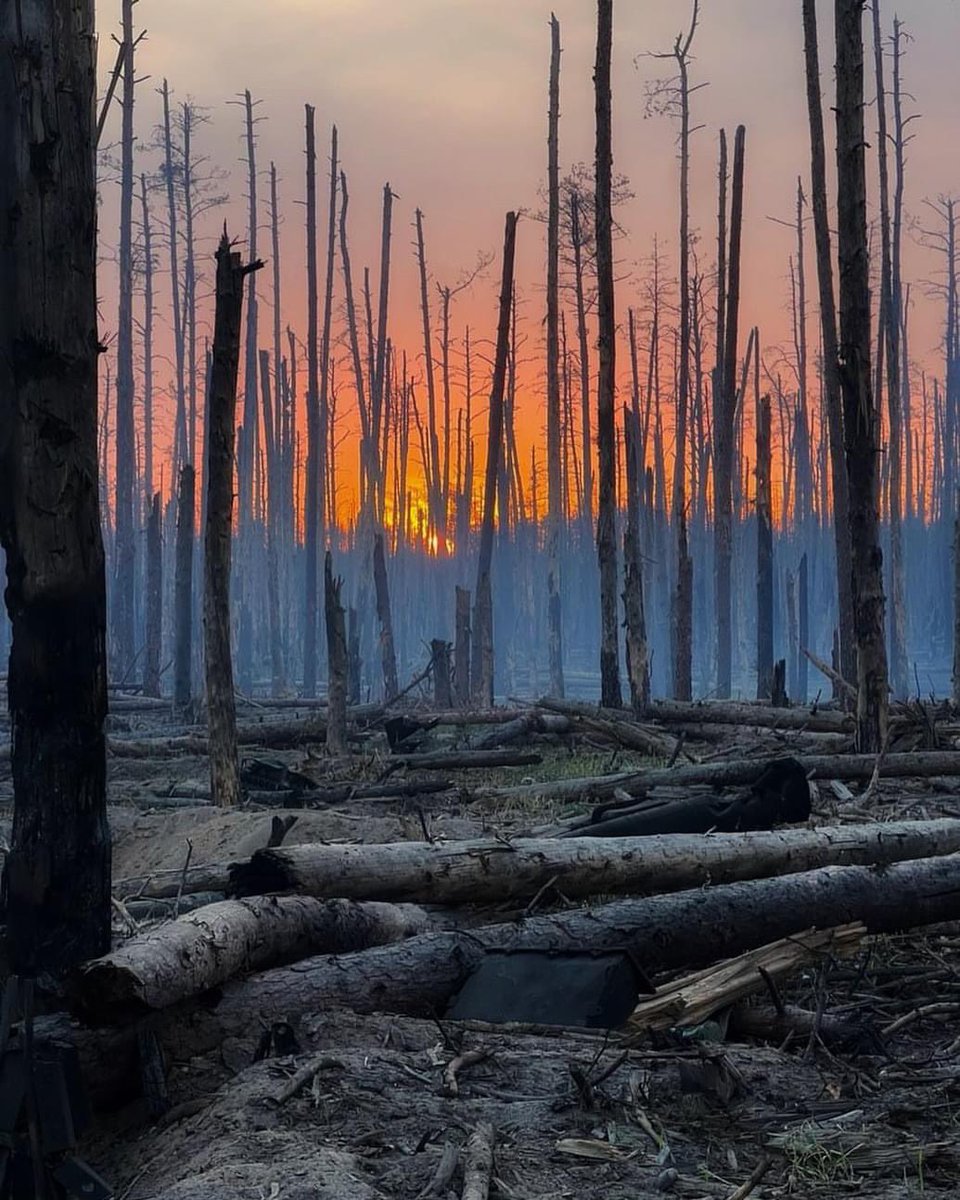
832 401
859 407
336 660
151 661
388 655
724 416
311 501
440 668
125 439
606 380
183 590
221 441
57 874
554 465
482 664
461 652
764 556
638 659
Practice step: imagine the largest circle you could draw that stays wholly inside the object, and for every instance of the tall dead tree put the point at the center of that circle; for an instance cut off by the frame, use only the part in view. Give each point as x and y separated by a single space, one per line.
431 465
311 502
180 451
324 419
832 399
147 328
221 443
724 416
606 379
154 605
638 658
388 654
764 554
183 590
554 481
57 873
336 660
859 407
482 656
891 317
125 438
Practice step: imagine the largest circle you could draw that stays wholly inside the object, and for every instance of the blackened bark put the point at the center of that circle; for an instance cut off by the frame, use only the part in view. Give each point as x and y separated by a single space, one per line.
554 464
221 441
311 502
606 380
638 659
388 655
859 406
57 873
764 555
482 664
183 590
154 622
440 668
461 660
336 660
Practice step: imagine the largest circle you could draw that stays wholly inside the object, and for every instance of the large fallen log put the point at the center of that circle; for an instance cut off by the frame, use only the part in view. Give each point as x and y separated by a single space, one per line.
730 712
420 976
465 760
202 950
916 764
480 871
614 726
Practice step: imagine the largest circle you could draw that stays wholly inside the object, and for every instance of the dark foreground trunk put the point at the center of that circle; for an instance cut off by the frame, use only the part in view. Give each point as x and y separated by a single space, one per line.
58 871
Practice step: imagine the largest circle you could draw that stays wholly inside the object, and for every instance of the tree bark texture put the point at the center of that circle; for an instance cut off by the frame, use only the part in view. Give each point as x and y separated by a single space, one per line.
183 589
461 651
388 654
336 660
859 406
151 658
606 378
482 657
482 871
764 555
221 442
555 514
57 874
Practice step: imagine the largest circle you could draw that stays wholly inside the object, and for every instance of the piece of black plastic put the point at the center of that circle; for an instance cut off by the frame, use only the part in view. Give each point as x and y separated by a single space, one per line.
544 987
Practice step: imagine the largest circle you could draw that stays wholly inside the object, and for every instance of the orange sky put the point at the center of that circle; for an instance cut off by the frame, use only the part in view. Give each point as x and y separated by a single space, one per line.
446 99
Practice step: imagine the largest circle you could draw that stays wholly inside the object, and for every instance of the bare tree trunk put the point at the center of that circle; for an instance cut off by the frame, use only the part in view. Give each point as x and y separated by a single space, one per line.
183 590
803 616
277 680
956 606
431 465
682 614
638 659
370 486
336 660
125 438
890 324
221 440
482 658
311 502
378 375
461 660
606 381
388 655
440 668
554 482
764 555
724 414
327 518
859 408
576 237
147 339
154 622
180 452
57 873
832 400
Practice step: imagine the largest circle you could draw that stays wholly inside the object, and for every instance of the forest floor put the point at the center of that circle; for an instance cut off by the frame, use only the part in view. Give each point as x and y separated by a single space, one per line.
574 1114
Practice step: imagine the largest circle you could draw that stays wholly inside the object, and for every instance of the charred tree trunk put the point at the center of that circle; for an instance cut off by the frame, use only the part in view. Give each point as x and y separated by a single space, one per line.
461 659
482 657
859 408
151 661
832 399
638 659
724 416
57 873
336 660
554 481
956 606
221 440
147 339
440 668
125 438
183 591
311 501
606 380
388 655
764 556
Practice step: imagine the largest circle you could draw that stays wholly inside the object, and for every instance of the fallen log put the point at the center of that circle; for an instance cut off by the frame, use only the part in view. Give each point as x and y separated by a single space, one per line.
730 712
496 870
916 764
520 727
201 951
465 760
615 726
421 975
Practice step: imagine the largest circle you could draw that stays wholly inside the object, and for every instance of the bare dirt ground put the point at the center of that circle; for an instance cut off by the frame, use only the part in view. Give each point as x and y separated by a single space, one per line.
575 1114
